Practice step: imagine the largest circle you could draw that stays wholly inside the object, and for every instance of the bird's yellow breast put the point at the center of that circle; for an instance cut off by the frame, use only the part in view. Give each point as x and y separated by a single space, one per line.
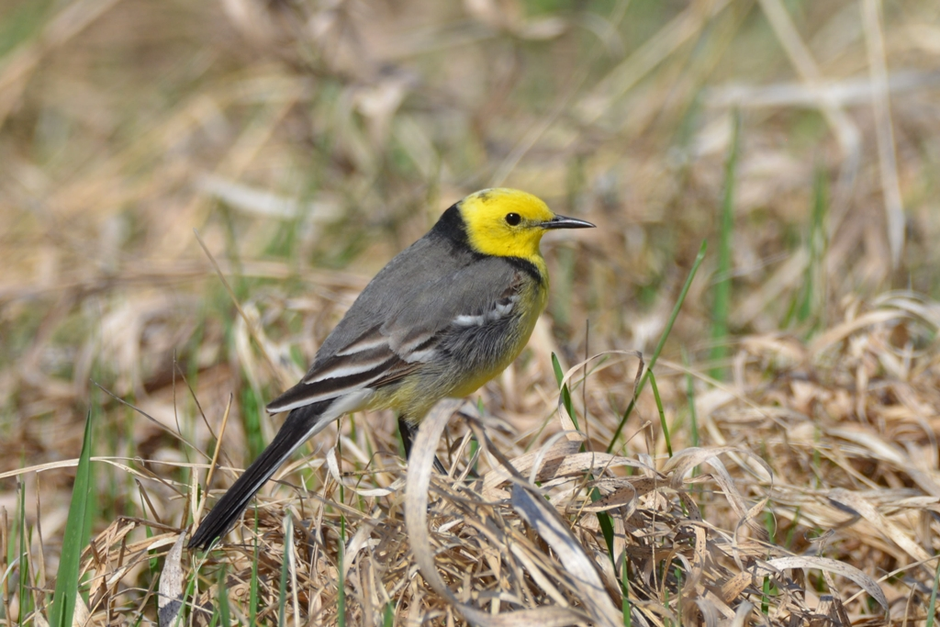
532 304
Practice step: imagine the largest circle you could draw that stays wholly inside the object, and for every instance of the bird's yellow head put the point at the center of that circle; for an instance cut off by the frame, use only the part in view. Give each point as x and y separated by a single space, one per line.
510 223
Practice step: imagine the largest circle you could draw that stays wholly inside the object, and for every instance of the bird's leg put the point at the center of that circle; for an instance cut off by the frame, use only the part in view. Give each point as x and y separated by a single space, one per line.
407 431
407 435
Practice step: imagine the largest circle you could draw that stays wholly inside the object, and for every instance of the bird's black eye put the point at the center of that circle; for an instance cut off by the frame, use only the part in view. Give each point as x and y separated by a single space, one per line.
512 219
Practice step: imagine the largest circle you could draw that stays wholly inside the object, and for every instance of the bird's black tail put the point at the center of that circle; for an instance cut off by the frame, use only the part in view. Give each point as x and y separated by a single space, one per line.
301 423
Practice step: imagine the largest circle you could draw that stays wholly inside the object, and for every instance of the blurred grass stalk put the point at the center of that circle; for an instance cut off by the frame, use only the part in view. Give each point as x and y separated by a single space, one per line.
724 272
813 298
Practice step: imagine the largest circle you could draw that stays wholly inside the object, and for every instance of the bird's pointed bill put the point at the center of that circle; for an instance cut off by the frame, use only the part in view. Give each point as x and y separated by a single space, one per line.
563 222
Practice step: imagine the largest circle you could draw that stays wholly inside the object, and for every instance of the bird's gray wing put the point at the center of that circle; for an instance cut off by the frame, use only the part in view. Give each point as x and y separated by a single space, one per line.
410 333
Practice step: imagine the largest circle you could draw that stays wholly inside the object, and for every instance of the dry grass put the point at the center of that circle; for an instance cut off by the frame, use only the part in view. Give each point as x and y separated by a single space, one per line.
308 143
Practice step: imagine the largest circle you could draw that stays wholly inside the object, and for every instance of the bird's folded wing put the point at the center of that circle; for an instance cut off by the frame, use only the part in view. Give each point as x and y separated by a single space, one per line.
410 335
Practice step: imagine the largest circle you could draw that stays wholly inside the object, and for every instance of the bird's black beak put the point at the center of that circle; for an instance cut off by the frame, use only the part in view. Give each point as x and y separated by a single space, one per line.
561 222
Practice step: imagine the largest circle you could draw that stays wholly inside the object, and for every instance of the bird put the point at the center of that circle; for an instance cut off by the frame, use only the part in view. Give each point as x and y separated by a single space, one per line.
442 318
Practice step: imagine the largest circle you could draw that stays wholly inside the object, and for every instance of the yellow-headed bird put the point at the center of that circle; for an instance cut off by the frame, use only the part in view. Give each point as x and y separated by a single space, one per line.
440 320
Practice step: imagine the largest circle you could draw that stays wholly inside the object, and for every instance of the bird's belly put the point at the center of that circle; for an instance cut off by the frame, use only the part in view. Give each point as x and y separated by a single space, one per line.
485 357
487 369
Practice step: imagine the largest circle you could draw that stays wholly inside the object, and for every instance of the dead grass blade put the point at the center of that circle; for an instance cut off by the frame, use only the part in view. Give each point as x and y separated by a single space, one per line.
840 568
170 599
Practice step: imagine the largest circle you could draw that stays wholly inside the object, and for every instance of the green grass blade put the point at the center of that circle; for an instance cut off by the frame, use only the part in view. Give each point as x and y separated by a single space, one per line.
565 393
722 305
932 604
811 302
76 537
765 597
625 587
662 342
25 606
224 618
662 413
191 593
251 421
